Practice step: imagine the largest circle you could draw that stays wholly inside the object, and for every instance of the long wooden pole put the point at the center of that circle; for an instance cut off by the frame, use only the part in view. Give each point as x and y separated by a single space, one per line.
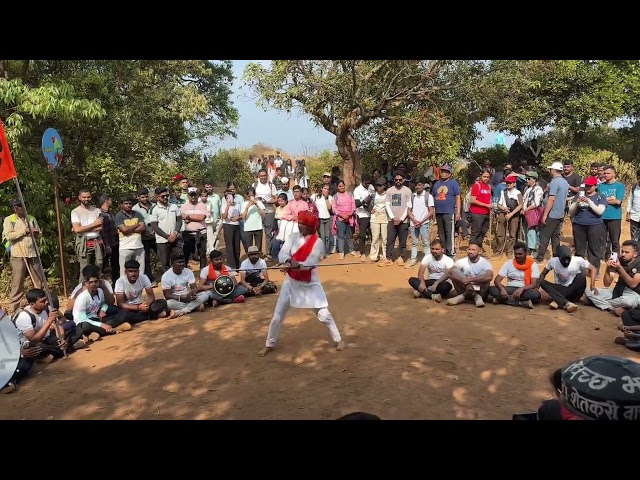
60 234
45 284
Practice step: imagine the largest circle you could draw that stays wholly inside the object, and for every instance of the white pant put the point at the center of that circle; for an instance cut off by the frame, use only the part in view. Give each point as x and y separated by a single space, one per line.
628 299
131 254
280 311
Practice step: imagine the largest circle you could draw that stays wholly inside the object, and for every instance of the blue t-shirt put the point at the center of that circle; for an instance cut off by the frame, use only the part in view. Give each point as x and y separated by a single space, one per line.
585 216
558 188
444 196
615 189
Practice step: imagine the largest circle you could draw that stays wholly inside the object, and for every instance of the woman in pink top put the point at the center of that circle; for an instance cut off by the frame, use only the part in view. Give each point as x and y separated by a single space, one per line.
344 206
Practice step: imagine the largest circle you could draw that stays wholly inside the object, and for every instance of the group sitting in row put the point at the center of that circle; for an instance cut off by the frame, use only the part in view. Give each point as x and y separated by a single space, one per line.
95 309
519 281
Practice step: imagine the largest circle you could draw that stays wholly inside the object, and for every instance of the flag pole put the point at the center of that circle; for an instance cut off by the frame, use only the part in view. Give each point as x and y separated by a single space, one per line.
45 284
60 238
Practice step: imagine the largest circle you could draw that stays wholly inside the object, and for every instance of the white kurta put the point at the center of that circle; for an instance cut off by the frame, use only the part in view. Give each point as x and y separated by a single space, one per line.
302 294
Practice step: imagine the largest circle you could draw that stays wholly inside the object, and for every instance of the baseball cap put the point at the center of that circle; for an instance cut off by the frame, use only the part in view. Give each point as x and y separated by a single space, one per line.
284 179
192 190
556 166
446 167
591 181
532 174
253 249
511 179
326 174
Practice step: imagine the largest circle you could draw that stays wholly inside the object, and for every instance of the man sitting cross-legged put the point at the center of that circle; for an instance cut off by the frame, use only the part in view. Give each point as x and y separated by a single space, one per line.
211 272
254 275
471 276
626 293
109 298
437 263
129 287
180 288
522 275
570 281
90 312
36 325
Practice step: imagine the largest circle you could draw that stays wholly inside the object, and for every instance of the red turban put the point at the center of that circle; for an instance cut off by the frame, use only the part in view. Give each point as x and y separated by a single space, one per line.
307 218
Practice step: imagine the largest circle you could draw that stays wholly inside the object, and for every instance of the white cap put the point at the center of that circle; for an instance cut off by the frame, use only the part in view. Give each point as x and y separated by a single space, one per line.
192 190
284 179
556 166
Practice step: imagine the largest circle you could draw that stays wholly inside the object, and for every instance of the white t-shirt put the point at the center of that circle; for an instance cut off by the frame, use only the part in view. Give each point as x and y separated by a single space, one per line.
321 204
251 268
508 194
437 267
24 323
204 273
361 193
178 284
80 285
85 216
566 275
473 269
421 203
86 307
132 291
268 192
515 277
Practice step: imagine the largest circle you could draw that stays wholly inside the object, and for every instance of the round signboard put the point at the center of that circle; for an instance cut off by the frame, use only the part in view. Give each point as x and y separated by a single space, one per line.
52 147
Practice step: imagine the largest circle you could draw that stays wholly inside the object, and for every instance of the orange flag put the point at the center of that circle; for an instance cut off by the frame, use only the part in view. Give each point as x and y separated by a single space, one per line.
7 168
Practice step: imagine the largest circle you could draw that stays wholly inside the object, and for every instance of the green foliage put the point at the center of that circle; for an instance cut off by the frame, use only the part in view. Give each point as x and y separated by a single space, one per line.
231 166
496 155
316 166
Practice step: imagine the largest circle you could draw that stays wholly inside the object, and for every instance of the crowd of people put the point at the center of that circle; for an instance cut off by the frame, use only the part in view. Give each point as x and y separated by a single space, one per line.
279 217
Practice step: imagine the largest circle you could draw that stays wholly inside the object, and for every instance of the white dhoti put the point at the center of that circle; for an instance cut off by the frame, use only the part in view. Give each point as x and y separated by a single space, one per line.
298 294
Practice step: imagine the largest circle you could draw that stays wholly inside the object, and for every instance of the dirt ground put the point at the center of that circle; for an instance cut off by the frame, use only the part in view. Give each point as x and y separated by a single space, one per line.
405 359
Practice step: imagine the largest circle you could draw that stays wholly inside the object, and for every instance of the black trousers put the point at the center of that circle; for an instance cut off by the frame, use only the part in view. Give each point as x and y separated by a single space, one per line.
22 370
549 232
401 232
155 309
563 295
443 288
590 239
164 253
232 234
363 226
613 229
479 227
113 321
530 294
195 243
445 231
149 246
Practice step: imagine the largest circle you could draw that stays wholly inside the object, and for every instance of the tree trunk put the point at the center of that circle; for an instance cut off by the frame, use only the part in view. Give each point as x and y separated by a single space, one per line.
348 150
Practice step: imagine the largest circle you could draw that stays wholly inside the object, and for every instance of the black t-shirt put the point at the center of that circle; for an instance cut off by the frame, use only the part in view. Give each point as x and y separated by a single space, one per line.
573 180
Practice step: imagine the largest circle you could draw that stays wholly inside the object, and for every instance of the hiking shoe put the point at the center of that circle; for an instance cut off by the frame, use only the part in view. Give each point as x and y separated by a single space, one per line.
80 344
385 262
478 301
526 304
410 264
416 294
553 306
92 337
571 307
456 300
400 261
436 297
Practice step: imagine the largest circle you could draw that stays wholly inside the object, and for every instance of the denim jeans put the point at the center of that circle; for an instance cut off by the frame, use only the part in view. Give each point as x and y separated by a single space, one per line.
423 231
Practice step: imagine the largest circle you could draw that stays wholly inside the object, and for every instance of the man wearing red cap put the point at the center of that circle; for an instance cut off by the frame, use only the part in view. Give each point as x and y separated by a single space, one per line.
299 254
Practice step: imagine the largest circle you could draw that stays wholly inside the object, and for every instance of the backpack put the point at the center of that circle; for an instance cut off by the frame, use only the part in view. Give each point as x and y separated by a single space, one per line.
31 316
511 203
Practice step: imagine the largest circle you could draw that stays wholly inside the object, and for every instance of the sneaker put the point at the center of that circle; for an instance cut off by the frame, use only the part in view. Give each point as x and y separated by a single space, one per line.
79 345
341 256
385 262
478 300
238 299
526 304
416 294
363 258
571 307
400 261
495 301
123 327
553 306
352 253
92 337
436 297
410 264
456 300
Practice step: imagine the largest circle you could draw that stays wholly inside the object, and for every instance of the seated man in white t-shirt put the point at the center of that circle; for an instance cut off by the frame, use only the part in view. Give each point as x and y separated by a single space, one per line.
180 289
129 288
87 272
254 275
522 275
211 272
36 327
437 264
90 312
471 277
570 280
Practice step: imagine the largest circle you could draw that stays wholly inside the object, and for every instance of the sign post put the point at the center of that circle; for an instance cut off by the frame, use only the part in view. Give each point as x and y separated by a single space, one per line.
54 154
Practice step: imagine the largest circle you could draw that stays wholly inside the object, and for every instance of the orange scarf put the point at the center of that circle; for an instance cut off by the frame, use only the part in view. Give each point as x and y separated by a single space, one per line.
300 256
526 268
212 275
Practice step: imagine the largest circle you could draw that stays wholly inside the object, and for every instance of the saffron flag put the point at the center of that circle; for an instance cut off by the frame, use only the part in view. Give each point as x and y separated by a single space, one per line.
7 168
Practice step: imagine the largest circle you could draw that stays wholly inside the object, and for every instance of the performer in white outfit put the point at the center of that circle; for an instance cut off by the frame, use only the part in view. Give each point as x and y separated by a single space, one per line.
302 287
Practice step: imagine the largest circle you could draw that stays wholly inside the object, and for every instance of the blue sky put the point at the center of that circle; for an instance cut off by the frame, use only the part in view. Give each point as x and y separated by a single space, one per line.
293 133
